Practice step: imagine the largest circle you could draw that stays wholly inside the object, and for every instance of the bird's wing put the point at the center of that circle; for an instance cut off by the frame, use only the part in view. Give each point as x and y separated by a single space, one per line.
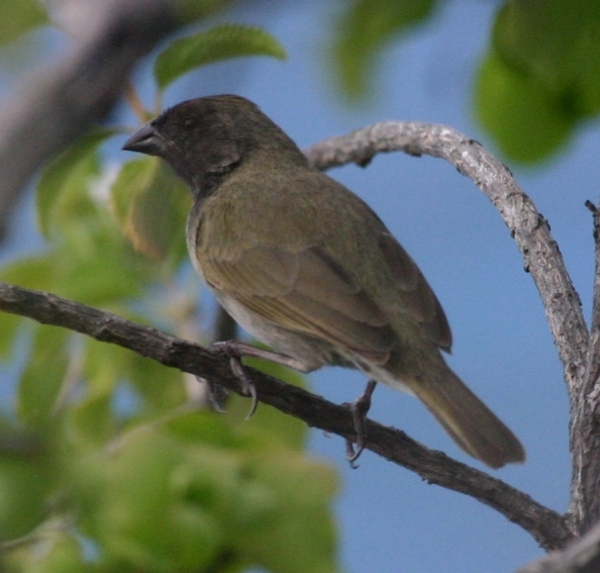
305 292
415 294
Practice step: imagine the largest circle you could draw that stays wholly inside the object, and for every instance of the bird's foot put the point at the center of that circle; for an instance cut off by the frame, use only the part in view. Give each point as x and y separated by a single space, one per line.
235 351
248 387
359 408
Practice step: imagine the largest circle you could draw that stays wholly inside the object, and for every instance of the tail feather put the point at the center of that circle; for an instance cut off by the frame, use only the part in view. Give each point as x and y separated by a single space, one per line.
468 421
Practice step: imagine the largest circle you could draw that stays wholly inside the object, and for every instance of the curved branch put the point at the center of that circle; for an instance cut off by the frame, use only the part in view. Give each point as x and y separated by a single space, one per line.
542 259
545 525
527 226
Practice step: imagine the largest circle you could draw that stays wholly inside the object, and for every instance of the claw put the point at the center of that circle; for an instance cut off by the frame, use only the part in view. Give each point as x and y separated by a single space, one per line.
352 454
248 387
251 391
236 350
359 408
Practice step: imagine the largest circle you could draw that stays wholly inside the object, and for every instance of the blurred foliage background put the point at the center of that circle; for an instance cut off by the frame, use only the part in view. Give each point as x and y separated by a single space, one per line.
110 462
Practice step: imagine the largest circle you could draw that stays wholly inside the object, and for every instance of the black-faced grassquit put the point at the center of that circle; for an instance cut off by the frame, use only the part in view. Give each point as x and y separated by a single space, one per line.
307 267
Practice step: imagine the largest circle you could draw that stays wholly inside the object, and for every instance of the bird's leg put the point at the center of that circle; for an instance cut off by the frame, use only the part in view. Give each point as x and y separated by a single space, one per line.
248 387
241 350
237 350
359 408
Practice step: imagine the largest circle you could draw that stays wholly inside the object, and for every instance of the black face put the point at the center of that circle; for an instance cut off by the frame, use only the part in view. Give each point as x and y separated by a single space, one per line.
205 138
193 135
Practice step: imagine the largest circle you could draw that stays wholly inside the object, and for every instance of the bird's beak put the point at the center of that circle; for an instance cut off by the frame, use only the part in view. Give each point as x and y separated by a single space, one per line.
147 140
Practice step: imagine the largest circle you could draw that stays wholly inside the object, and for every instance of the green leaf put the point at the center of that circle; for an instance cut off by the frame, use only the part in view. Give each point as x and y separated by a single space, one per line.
18 17
43 377
219 43
151 206
23 487
91 421
537 38
93 263
298 534
363 31
543 39
66 178
26 476
259 493
185 492
588 87
201 427
131 502
102 269
525 119
545 62
37 272
103 366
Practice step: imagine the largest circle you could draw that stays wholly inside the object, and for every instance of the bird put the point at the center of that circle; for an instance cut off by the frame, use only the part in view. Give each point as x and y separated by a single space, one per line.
307 267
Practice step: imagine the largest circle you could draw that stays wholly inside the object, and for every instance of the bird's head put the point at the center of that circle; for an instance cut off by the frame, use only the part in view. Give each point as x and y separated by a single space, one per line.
206 138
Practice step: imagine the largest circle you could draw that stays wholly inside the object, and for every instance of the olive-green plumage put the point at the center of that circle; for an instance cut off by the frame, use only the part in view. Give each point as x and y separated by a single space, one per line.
307 267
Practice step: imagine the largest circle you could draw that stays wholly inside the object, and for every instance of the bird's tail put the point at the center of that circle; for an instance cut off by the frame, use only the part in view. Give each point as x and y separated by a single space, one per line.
470 423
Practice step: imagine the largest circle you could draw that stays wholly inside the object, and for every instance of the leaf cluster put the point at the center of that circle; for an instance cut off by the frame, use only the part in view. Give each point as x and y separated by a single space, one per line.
109 461
541 77
539 80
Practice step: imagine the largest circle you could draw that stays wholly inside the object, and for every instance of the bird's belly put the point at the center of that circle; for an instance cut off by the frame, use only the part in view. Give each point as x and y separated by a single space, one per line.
310 352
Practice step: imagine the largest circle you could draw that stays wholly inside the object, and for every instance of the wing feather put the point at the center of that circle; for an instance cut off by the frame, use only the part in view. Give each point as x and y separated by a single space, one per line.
416 294
305 292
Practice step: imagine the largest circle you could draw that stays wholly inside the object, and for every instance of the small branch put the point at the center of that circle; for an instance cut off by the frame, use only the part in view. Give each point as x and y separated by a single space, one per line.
584 507
545 525
50 110
580 556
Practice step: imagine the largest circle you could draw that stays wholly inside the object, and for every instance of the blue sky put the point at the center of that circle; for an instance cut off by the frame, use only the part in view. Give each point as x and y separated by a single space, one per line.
391 521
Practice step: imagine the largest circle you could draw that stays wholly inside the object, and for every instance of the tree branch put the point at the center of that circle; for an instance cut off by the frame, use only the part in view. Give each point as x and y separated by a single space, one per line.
580 556
584 507
542 259
527 226
545 525
52 108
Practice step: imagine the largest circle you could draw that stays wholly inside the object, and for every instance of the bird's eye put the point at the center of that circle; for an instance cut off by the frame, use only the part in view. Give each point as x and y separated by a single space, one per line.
188 123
